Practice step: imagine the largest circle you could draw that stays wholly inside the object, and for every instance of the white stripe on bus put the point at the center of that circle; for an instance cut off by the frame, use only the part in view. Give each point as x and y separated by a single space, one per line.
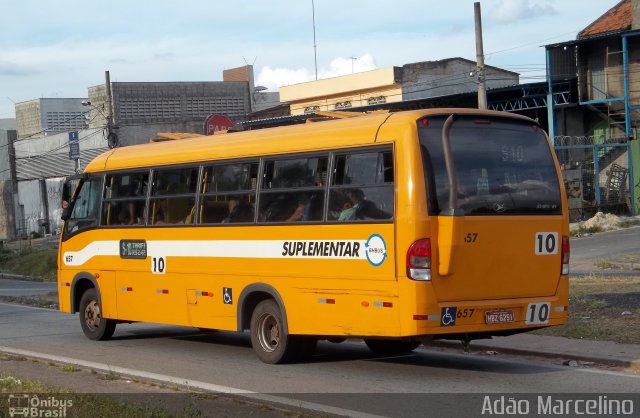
322 249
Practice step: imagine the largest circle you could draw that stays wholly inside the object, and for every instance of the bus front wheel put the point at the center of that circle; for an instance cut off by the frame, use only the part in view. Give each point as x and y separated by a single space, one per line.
269 339
390 346
94 326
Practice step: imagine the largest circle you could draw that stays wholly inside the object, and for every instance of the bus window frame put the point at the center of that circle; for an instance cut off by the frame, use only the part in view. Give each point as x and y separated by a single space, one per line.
203 195
378 149
105 200
262 160
84 178
261 190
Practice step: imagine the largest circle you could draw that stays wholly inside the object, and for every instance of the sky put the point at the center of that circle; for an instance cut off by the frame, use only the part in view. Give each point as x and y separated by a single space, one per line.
59 49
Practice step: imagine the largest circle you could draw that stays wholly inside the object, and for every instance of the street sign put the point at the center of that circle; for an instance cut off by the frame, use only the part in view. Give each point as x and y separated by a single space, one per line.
215 123
74 150
74 145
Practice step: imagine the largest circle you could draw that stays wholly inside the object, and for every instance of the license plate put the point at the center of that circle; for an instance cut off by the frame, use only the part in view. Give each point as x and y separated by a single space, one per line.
498 316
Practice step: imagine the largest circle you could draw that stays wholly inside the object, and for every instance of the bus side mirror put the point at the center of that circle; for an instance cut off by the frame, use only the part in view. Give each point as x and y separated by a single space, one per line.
66 213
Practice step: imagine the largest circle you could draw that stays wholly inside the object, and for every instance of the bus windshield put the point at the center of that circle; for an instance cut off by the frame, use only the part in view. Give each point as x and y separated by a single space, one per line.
503 167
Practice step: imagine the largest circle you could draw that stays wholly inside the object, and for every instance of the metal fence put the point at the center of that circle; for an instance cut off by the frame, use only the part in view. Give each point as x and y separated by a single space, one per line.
597 176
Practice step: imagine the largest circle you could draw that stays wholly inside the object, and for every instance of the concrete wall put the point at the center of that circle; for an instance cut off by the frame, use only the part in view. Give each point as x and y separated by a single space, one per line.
141 110
31 207
7 230
261 100
50 115
450 76
59 143
28 121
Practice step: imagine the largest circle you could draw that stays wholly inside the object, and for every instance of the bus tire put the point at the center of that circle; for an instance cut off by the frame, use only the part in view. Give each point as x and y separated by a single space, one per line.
391 346
271 343
94 326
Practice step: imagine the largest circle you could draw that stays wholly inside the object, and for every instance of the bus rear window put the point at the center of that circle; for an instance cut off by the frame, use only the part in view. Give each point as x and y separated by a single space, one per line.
503 167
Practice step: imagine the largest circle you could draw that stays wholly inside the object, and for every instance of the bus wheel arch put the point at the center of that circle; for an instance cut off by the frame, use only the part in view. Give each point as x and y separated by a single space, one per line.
250 297
262 311
87 302
81 283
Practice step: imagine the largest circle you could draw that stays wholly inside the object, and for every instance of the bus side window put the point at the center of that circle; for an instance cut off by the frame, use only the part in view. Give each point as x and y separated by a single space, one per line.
228 193
84 214
362 187
293 189
125 199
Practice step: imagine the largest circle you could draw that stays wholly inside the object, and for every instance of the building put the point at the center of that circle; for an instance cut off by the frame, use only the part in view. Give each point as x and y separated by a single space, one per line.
420 80
141 110
41 166
41 117
260 99
8 187
595 133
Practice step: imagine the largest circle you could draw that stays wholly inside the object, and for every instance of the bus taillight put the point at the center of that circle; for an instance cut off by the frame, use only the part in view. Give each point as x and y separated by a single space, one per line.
419 260
566 250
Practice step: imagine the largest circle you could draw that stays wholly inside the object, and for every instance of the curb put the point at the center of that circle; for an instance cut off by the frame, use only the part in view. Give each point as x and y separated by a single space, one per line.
627 364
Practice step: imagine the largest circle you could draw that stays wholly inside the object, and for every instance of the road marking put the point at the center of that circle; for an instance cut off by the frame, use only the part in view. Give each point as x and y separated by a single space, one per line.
210 387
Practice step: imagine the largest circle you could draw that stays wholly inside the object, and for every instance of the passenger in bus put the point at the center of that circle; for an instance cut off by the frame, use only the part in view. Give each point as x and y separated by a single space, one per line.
239 211
124 217
302 212
357 207
354 197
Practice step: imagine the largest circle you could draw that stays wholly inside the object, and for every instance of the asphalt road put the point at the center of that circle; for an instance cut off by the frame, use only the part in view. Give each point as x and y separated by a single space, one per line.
343 375
606 244
10 287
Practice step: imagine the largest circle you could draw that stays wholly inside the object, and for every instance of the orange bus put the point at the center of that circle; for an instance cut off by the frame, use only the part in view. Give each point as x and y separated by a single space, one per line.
396 228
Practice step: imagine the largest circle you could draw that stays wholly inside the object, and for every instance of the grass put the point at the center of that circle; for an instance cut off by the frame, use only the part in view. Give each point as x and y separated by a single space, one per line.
596 305
70 368
603 264
581 229
38 263
49 300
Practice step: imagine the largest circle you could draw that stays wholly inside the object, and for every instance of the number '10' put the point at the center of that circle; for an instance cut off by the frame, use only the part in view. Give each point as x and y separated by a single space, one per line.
549 243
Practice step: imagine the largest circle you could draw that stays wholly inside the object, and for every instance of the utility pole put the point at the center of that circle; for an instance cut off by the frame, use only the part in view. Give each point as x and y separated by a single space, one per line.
482 89
315 52
112 137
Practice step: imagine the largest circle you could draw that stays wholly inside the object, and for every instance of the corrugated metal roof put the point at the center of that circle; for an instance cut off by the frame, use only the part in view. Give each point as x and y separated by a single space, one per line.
53 165
618 18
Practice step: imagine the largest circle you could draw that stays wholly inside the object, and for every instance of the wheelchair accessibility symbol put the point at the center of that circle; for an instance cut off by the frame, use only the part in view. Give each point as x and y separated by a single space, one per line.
227 295
448 316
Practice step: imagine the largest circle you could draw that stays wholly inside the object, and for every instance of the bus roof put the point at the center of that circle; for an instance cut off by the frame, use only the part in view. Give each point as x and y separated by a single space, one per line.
341 133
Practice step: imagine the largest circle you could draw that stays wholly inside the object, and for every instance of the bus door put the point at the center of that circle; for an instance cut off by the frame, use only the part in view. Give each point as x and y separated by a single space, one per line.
493 186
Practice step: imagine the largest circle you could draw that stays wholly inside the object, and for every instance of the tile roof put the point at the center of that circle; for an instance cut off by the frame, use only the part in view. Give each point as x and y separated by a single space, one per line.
618 18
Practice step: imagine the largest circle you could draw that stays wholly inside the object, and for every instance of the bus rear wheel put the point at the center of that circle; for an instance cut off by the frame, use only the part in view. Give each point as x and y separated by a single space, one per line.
270 341
391 346
94 326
